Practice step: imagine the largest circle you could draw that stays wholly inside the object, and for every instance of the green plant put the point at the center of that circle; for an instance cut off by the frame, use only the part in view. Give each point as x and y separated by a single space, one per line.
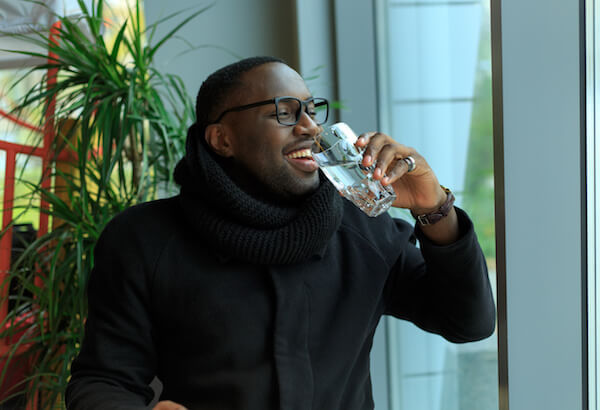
478 195
123 123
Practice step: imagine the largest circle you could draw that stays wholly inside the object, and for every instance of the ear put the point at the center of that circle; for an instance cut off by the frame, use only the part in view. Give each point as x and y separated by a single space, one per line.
219 140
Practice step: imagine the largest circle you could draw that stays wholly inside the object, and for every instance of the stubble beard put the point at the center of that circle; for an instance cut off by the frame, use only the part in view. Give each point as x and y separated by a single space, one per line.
279 185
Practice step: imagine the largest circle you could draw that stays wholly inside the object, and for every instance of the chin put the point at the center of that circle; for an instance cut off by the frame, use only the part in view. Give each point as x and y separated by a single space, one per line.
301 190
290 187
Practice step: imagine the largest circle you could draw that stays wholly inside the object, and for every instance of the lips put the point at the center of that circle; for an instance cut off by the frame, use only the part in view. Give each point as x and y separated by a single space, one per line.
301 159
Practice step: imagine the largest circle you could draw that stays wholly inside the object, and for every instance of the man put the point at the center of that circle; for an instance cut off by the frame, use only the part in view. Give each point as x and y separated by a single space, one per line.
259 287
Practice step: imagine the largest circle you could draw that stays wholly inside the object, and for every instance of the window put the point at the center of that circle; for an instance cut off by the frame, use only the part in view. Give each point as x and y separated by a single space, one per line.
434 84
432 66
17 130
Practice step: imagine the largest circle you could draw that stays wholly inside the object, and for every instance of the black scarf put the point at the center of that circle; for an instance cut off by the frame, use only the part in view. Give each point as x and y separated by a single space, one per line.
245 228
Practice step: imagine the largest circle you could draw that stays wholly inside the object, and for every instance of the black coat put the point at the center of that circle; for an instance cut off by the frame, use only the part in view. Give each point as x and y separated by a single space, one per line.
221 334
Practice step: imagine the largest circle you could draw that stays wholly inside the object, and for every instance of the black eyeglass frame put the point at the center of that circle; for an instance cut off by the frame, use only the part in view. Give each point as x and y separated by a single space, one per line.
303 108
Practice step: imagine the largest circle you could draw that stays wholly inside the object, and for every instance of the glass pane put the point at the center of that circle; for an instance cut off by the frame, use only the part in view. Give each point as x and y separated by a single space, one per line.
428 59
435 90
26 206
11 91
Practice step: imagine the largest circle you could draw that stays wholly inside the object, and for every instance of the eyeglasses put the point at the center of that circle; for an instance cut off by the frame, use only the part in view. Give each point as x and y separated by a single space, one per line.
289 109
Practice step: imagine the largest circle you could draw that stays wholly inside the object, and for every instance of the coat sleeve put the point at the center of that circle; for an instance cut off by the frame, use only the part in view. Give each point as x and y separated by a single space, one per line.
444 289
117 359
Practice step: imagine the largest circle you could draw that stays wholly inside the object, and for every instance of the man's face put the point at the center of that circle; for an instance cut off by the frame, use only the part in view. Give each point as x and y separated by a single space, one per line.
277 156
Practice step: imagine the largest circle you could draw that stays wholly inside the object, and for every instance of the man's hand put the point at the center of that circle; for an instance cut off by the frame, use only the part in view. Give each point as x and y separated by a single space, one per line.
168 405
418 190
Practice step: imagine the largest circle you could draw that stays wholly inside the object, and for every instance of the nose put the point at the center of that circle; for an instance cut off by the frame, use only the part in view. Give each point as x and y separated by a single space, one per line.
306 126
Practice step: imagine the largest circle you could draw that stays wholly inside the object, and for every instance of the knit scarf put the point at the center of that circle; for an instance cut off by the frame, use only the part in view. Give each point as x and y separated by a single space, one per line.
244 227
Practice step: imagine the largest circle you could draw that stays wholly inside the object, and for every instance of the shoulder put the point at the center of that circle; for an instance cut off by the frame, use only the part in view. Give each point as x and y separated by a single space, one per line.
160 208
149 214
144 223
133 242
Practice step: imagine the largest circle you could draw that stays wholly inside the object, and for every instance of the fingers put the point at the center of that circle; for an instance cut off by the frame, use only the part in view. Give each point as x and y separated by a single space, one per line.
387 154
394 172
168 405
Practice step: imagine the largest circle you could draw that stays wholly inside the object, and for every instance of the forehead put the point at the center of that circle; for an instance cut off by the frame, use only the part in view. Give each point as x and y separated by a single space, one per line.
271 80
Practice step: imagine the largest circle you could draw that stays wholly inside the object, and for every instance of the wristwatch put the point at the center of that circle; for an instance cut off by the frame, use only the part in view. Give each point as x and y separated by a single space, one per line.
442 211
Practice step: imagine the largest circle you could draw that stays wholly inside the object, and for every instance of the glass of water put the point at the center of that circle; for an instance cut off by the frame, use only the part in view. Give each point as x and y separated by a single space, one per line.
339 159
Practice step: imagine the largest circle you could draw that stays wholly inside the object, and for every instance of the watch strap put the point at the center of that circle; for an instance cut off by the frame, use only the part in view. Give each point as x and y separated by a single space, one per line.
441 212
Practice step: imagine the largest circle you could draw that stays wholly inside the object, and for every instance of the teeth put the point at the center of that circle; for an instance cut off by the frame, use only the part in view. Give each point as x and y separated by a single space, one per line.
303 153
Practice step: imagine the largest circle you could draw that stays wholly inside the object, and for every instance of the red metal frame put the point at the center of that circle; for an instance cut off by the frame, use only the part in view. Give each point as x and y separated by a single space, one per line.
44 152
20 122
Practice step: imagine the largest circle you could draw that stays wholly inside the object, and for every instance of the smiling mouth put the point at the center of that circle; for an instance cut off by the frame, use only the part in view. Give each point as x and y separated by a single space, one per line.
302 160
300 154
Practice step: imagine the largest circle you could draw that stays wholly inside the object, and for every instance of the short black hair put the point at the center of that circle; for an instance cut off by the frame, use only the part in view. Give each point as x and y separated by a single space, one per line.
218 86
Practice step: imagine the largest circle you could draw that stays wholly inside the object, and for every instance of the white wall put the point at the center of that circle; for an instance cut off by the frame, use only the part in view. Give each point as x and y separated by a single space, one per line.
229 30
301 32
317 49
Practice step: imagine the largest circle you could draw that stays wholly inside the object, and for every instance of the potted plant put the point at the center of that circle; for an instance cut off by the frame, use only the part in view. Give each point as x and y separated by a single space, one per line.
123 125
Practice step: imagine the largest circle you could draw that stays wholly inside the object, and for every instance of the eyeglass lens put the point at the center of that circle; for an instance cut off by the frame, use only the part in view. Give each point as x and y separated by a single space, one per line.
289 110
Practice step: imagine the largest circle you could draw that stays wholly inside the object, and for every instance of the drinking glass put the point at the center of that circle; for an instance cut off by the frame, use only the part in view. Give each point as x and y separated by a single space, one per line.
341 161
